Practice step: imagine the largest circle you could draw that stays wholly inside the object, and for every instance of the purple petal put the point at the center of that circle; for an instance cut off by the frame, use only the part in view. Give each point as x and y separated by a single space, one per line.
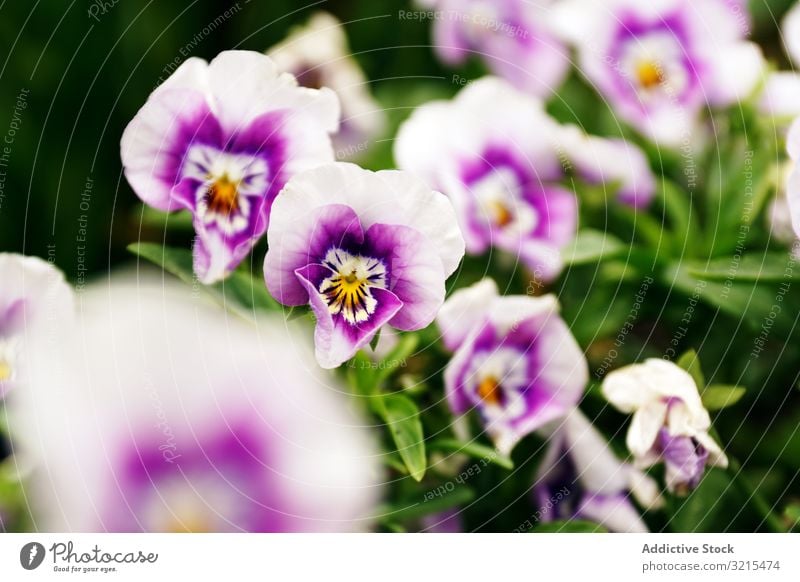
416 273
336 340
326 227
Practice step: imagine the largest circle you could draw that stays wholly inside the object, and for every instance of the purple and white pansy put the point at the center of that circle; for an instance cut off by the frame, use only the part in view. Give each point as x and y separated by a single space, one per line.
192 421
319 56
363 249
580 477
515 363
36 307
669 421
220 140
660 63
504 162
512 37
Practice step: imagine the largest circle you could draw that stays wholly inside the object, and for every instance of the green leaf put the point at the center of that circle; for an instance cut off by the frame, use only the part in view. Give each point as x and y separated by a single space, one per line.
373 344
707 508
755 267
474 450
741 300
359 375
591 246
426 505
717 397
250 292
402 417
181 220
240 287
691 363
792 515
176 261
569 526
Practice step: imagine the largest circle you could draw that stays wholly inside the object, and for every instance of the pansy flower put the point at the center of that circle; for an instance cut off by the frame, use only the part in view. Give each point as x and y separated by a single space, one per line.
516 363
512 37
363 249
173 417
669 421
36 306
220 139
660 63
504 162
580 477
318 55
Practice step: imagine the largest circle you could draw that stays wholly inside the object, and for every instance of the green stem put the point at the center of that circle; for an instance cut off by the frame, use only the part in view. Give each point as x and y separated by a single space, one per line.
770 519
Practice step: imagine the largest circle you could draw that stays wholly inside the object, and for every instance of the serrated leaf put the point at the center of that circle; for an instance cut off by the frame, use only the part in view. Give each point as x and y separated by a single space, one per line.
569 526
401 415
592 246
717 397
474 450
691 363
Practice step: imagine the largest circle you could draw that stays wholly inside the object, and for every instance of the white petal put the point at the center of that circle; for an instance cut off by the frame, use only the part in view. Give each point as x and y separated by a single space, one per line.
644 428
737 69
246 84
154 362
781 95
463 310
791 33
386 197
598 468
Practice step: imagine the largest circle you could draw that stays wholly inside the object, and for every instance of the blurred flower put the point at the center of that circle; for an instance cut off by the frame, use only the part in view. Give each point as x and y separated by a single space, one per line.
791 33
36 304
793 185
617 162
661 63
515 361
364 249
593 483
780 97
221 139
499 157
512 37
669 421
318 56
175 417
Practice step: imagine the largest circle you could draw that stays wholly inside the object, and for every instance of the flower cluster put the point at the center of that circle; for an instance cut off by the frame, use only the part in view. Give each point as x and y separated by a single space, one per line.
147 408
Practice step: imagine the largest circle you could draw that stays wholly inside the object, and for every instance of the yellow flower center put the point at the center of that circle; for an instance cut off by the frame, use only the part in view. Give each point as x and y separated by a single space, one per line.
347 291
223 196
5 370
649 74
502 215
489 390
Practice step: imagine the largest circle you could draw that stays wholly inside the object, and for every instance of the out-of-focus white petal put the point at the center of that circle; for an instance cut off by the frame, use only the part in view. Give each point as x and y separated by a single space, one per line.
790 31
737 70
463 310
155 369
645 425
781 95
